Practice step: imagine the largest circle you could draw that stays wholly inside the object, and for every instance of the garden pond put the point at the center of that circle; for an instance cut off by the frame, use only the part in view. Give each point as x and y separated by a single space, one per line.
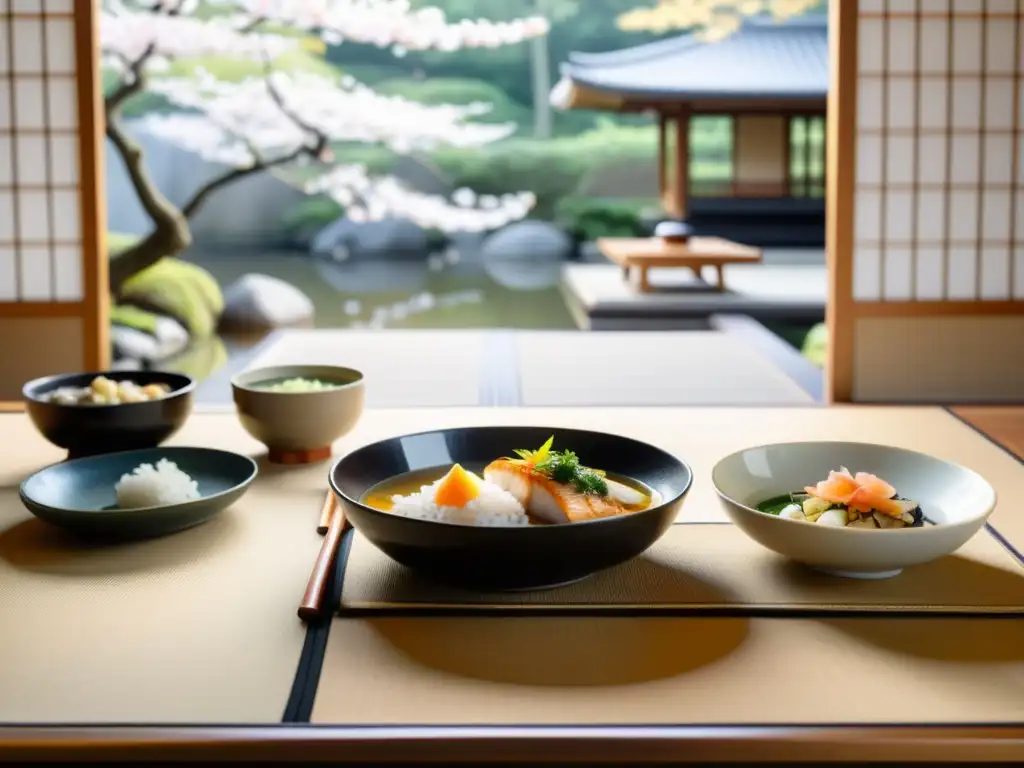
383 294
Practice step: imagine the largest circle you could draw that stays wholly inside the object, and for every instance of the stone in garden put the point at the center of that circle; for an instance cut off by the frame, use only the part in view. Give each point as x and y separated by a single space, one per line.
527 255
398 239
169 338
530 241
261 301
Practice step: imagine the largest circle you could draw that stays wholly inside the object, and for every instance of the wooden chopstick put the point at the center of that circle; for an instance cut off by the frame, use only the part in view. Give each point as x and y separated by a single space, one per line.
312 606
330 503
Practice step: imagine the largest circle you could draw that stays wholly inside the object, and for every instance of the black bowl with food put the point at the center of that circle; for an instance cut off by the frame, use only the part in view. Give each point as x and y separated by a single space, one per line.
510 508
108 411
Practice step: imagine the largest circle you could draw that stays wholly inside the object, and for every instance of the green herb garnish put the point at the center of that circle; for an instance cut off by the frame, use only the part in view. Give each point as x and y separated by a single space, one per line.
564 467
539 455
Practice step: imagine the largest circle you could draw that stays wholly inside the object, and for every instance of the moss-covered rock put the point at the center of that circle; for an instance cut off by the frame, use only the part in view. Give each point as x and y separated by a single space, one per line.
133 317
120 241
815 346
179 289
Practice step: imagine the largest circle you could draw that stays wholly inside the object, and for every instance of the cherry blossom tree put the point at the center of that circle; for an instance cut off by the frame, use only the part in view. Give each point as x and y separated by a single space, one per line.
715 19
286 118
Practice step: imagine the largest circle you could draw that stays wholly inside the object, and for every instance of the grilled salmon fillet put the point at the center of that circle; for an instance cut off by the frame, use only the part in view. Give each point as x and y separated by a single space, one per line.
555 502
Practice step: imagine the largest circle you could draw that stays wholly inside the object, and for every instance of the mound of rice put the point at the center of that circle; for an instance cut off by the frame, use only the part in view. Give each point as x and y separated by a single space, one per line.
494 507
149 486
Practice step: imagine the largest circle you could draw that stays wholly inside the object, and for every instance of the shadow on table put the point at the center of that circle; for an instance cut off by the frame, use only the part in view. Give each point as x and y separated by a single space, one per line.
976 639
566 650
950 582
34 545
972 640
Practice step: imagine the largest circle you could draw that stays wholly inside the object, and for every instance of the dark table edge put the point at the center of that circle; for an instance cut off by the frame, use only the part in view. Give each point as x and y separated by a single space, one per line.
549 743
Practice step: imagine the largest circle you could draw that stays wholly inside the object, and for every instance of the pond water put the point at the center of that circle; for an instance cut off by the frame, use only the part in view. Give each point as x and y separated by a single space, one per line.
517 294
389 294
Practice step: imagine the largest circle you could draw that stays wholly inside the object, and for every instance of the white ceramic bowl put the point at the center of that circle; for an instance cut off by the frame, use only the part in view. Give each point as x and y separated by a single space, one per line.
956 499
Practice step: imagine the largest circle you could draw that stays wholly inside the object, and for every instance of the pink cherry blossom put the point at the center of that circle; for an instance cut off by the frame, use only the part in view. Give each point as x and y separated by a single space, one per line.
288 116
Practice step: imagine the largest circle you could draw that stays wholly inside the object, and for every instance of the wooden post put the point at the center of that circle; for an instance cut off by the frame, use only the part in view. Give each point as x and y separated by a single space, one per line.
734 126
840 311
662 155
93 193
787 156
682 174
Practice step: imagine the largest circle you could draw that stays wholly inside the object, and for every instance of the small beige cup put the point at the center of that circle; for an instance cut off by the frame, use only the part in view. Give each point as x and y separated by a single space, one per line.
298 427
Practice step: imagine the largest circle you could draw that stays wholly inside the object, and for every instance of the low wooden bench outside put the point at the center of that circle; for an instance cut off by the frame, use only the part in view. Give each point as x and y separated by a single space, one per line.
695 254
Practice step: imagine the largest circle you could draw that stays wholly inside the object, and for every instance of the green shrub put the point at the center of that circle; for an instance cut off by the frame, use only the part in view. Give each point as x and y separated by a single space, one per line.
815 346
182 290
372 75
309 216
437 240
588 219
459 90
552 169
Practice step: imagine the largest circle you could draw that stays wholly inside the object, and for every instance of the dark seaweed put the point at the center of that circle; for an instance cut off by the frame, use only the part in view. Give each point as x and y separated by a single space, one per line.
916 512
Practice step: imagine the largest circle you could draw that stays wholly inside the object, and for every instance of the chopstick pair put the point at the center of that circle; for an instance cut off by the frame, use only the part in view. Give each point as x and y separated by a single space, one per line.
332 524
330 504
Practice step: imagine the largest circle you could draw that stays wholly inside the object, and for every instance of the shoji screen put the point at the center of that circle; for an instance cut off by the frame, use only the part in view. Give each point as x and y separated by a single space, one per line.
52 292
928 230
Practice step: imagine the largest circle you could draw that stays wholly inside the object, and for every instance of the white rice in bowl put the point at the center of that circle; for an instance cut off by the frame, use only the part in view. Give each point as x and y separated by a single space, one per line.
159 486
493 507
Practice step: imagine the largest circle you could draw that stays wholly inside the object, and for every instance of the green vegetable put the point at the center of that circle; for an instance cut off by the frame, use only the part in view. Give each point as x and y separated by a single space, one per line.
564 467
776 504
535 456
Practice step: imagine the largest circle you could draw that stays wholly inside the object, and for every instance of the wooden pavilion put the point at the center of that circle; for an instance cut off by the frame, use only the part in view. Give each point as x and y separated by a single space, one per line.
769 80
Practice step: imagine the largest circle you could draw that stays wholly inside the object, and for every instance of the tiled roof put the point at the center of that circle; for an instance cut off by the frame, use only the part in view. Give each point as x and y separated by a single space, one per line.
763 59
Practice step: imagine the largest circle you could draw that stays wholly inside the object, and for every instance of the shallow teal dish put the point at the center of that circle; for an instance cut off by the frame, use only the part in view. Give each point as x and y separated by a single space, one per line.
79 494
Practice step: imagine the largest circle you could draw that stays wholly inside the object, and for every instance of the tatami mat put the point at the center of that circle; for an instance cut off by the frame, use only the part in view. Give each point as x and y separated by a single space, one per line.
201 627
401 368
589 671
648 368
195 627
701 567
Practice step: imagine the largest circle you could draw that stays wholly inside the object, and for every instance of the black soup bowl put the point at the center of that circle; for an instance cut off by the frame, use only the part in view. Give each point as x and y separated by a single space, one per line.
88 430
511 558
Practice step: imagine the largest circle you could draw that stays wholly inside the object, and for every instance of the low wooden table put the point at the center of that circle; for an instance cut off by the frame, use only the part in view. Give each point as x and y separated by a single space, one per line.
188 648
695 254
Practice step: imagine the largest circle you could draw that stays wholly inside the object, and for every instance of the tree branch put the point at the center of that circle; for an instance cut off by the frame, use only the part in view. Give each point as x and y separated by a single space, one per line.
132 84
321 138
199 197
260 164
252 25
170 234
